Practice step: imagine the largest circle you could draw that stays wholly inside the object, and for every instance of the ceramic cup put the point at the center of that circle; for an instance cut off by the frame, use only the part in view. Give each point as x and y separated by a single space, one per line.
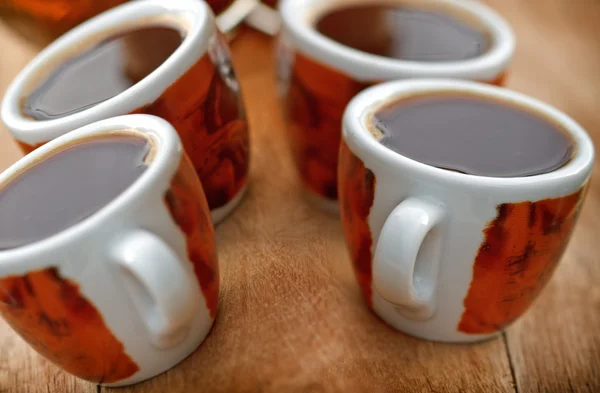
319 76
195 89
130 291
447 256
43 21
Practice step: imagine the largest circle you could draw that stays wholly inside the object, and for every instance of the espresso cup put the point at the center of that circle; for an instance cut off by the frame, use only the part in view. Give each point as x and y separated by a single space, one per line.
318 76
195 89
129 291
43 21
444 255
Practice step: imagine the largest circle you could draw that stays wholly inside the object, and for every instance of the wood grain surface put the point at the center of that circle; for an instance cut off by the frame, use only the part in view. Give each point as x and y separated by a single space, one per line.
291 318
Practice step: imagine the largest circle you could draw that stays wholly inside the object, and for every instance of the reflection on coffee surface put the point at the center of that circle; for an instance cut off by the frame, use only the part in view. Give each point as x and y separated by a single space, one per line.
68 186
101 72
473 135
405 33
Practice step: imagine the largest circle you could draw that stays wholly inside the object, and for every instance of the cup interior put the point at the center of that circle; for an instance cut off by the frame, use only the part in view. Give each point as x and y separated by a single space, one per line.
149 42
465 15
359 124
300 18
28 164
71 183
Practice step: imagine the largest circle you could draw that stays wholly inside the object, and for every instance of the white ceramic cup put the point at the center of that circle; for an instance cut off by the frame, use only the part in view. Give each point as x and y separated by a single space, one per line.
318 77
447 256
210 118
116 298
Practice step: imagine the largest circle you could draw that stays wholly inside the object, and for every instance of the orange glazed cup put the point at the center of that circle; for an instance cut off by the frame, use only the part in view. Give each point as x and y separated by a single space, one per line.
195 89
132 289
319 76
449 256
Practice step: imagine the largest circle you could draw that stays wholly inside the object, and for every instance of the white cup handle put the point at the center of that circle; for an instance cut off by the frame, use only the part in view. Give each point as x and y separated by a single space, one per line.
407 258
163 291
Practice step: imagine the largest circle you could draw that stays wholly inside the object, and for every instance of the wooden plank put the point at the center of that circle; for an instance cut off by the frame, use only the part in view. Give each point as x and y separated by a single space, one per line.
556 346
22 370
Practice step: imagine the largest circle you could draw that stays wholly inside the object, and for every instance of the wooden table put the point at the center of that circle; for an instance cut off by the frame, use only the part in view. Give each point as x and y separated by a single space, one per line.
291 318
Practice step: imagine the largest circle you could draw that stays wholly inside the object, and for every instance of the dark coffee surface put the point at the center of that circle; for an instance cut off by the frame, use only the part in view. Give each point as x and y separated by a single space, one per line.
404 33
100 73
67 187
473 135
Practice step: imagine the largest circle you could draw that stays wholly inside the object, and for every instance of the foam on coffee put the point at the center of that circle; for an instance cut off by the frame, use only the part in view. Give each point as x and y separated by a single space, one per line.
471 134
70 184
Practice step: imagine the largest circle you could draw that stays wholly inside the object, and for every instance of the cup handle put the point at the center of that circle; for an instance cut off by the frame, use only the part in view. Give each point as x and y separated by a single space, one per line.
407 258
162 289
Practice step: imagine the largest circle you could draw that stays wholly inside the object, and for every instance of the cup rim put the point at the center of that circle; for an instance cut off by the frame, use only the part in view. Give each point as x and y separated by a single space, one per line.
162 167
357 135
192 16
298 17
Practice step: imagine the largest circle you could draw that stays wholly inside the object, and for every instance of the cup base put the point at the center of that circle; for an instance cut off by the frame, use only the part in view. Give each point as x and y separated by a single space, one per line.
170 358
219 214
437 329
474 339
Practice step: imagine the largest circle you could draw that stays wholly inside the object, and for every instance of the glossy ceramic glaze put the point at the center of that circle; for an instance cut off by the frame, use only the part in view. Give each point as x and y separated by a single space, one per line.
130 291
443 255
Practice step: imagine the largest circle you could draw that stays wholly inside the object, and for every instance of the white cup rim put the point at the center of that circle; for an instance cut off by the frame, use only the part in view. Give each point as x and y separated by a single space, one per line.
164 164
298 18
358 137
195 17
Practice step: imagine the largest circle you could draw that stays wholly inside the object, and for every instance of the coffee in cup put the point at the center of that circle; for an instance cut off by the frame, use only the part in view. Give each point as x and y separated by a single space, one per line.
99 73
472 135
69 185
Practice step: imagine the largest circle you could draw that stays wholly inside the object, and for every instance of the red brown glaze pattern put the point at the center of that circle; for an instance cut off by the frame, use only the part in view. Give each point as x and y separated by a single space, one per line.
314 105
357 192
205 107
50 313
187 205
315 99
522 247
